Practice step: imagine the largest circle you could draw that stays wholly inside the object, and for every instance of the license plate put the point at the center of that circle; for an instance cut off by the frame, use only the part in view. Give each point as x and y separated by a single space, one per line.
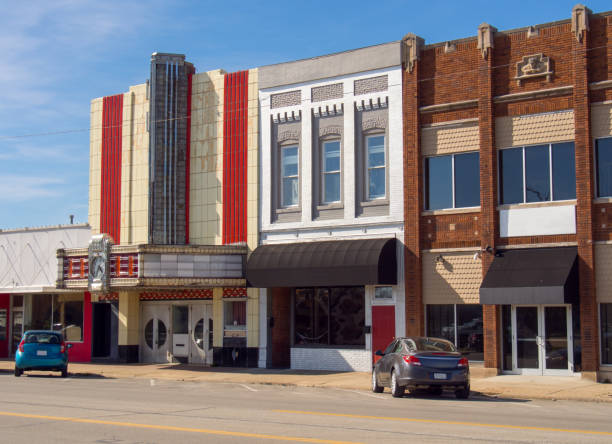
41 352
439 375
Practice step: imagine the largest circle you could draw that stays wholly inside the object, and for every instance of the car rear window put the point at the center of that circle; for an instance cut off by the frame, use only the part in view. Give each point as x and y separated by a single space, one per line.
434 345
43 338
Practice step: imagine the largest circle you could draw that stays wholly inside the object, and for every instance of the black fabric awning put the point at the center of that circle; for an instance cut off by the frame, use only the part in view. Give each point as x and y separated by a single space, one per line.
532 276
330 263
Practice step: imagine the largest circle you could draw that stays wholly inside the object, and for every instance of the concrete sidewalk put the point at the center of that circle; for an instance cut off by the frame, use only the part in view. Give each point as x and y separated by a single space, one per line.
506 386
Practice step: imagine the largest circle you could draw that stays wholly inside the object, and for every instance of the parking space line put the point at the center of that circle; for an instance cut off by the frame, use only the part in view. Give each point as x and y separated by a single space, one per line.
176 429
439 421
248 388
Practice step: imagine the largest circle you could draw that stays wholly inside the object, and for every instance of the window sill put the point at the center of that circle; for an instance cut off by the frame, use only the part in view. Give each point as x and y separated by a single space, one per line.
602 200
330 206
288 210
375 203
451 211
555 203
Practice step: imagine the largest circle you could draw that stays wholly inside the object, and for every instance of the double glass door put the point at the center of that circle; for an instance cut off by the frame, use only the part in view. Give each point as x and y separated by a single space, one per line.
542 340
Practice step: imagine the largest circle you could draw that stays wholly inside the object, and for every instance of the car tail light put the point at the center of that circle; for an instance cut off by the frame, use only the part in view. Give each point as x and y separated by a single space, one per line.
412 360
63 347
21 346
463 363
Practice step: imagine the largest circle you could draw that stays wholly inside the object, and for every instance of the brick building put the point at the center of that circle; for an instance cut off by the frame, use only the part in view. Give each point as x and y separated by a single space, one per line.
507 148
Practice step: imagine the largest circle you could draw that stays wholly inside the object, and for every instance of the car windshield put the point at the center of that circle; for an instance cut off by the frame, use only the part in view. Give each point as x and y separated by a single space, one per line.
42 338
434 345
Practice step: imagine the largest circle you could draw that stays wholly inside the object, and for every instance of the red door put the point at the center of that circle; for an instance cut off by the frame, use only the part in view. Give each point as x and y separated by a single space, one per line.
383 327
4 324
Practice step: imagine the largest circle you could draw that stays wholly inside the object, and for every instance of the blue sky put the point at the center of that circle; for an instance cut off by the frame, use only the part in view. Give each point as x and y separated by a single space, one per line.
58 55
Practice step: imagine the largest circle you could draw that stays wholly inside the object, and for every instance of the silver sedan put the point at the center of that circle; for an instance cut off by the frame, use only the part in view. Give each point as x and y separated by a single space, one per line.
416 362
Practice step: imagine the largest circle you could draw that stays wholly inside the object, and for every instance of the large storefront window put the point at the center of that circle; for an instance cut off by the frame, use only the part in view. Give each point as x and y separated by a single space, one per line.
62 313
329 316
461 324
606 333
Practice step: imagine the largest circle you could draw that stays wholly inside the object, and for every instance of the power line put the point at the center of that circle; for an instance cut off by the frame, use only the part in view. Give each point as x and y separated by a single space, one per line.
562 63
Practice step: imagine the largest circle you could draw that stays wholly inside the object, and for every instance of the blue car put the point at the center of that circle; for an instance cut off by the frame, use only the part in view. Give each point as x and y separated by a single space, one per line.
42 350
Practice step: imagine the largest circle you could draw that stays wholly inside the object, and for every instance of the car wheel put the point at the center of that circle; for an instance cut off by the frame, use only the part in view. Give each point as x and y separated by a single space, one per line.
396 390
65 372
18 372
434 390
375 387
463 392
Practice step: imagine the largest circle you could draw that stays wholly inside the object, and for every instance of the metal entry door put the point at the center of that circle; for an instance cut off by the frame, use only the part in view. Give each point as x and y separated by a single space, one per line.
201 333
154 333
542 340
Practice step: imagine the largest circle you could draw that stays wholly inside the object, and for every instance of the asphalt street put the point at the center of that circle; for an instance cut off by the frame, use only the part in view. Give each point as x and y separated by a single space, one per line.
48 409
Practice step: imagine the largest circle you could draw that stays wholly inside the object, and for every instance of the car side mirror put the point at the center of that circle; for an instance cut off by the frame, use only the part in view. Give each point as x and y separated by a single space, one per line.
68 346
379 353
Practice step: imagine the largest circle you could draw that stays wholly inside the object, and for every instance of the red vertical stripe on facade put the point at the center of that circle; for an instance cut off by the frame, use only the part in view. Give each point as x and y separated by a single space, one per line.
110 166
235 144
188 158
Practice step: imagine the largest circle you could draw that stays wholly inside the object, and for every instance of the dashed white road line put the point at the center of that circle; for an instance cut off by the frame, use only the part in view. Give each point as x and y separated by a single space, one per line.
248 388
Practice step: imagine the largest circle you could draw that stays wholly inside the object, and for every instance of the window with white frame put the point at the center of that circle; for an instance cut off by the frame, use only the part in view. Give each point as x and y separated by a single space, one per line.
330 171
537 173
289 176
603 160
452 181
376 167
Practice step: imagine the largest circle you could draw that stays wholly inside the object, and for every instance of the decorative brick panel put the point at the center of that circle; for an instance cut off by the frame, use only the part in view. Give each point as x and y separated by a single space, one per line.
602 222
554 42
327 92
450 230
451 278
206 293
371 85
533 129
601 120
235 292
291 98
449 139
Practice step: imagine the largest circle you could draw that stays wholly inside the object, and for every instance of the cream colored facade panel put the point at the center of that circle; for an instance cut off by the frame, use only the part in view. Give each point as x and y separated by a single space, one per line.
252 317
454 280
135 167
534 128
218 317
448 139
206 148
601 120
95 156
603 277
